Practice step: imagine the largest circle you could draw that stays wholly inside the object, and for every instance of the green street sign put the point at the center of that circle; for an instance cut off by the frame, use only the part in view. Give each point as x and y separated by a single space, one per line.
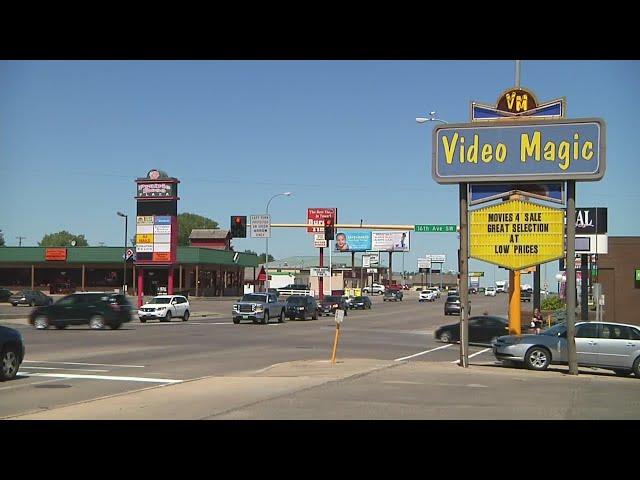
638 275
436 228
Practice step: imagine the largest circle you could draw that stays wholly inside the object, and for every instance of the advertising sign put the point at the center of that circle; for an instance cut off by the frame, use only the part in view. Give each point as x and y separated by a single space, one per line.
319 241
148 220
319 271
390 241
516 234
144 247
157 229
55 254
481 193
358 241
157 190
366 261
260 226
424 263
438 258
519 151
144 238
591 220
316 217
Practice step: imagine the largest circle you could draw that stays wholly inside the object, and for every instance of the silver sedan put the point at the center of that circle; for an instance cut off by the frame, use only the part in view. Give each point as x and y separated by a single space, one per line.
612 346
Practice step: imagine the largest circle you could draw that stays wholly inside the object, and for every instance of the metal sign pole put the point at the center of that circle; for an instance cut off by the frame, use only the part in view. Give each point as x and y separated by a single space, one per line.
571 277
464 280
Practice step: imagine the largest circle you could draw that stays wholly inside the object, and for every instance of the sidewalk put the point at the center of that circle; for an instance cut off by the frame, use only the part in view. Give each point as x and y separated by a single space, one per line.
375 389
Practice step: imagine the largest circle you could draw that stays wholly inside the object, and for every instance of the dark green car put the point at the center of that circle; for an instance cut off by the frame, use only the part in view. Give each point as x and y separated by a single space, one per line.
96 309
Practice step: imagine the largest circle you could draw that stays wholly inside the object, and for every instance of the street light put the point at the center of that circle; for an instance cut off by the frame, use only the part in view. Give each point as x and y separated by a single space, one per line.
124 263
266 258
432 118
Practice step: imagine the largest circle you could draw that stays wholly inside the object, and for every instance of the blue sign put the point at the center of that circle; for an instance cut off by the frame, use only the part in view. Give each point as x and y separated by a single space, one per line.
519 151
359 241
162 220
485 192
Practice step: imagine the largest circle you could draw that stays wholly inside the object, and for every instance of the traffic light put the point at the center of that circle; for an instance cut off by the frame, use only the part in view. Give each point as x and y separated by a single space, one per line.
328 229
239 226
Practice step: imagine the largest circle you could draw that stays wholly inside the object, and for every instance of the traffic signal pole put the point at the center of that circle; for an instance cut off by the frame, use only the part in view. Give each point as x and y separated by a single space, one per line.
320 279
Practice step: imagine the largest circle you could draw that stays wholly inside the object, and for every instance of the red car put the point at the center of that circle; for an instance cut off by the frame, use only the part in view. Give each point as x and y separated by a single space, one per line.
394 287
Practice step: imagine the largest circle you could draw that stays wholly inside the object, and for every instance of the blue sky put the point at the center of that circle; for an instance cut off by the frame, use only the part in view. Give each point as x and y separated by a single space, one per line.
75 135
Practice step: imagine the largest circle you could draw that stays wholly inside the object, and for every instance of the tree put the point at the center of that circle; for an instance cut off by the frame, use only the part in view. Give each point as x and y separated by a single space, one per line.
250 251
62 239
189 221
261 258
1 239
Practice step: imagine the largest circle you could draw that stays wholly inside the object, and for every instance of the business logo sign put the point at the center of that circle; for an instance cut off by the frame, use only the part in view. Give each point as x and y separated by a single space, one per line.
57 254
486 192
519 151
157 190
390 241
591 221
155 236
517 102
516 234
317 216
358 241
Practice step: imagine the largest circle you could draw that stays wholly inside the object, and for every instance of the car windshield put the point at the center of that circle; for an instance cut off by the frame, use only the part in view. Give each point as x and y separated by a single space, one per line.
555 330
296 300
252 297
332 299
453 298
161 300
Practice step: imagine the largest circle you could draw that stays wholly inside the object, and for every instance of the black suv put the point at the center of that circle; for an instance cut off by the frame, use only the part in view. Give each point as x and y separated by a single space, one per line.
95 309
301 306
5 294
11 352
331 303
30 297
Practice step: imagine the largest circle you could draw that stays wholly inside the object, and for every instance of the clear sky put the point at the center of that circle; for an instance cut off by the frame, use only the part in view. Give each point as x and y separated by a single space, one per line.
75 135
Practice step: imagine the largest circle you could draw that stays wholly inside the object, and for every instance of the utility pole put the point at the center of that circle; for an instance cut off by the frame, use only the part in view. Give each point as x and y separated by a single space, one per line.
20 240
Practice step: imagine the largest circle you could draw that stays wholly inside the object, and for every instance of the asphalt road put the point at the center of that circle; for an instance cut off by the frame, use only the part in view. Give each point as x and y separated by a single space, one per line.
78 364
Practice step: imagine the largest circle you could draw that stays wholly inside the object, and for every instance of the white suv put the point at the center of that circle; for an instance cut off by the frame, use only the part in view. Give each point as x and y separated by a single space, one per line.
490 292
164 308
427 296
376 288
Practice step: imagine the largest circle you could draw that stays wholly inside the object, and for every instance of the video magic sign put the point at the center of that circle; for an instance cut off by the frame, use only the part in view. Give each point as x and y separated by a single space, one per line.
519 151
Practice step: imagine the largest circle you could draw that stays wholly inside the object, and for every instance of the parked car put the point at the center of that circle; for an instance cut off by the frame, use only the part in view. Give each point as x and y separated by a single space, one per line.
164 308
301 306
96 309
406 286
295 286
348 300
452 305
375 288
361 303
11 352
32 298
5 294
392 295
484 329
331 303
473 290
490 292
525 295
611 346
427 296
274 291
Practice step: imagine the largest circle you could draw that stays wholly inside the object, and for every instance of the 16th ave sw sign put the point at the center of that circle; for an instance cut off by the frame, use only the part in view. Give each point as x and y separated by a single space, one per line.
519 151
516 234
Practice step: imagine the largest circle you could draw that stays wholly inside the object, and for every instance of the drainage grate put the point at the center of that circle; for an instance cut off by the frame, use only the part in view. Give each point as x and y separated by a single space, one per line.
53 385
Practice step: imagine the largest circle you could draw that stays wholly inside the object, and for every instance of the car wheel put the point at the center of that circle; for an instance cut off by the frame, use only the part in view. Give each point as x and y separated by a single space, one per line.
636 367
10 364
281 317
623 373
185 317
115 325
143 320
537 358
446 337
41 322
167 317
96 322
236 321
315 316
265 320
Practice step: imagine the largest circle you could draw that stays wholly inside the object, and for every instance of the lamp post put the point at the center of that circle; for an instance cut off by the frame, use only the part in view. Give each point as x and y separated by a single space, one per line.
124 256
266 258
432 118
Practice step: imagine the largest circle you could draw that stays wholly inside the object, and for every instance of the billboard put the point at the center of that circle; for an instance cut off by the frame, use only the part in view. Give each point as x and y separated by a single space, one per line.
359 241
390 241
317 216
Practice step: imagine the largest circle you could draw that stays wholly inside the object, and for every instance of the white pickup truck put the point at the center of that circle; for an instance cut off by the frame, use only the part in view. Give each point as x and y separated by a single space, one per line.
375 288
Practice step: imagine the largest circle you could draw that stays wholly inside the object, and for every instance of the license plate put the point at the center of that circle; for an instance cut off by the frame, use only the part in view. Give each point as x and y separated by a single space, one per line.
245 316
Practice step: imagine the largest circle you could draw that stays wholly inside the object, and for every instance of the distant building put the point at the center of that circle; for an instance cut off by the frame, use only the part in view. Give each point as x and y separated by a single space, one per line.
210 238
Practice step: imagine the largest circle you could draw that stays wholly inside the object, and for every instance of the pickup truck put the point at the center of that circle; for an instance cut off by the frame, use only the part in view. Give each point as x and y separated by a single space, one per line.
258 307
375 288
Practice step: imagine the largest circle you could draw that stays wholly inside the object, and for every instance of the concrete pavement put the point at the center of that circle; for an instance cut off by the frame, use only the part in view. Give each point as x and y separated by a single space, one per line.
374 389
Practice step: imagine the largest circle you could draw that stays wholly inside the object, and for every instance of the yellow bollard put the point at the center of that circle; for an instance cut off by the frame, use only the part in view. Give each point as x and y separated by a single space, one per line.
335 343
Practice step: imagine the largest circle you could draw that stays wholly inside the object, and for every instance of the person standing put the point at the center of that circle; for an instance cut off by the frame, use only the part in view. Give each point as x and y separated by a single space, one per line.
537 321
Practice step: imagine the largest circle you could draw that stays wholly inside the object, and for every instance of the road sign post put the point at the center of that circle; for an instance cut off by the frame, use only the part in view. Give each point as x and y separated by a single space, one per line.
339 317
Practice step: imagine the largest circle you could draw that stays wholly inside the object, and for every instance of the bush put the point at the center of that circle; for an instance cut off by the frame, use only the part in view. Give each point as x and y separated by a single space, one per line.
552 302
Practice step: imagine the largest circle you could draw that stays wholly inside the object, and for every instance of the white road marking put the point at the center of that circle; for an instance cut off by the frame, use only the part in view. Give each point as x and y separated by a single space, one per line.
474 354
101 377
88 364
62 368
425 352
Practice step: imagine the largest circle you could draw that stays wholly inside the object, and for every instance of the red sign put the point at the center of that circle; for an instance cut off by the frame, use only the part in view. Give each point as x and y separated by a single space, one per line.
317 216
55 254
161 257
262 276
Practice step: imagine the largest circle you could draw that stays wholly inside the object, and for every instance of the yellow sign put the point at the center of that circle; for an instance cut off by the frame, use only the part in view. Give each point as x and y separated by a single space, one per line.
516 234
144 238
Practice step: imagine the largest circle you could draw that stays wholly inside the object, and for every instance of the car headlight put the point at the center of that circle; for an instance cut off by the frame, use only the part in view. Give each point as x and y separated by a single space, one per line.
235 307
259 308
161 308
300 308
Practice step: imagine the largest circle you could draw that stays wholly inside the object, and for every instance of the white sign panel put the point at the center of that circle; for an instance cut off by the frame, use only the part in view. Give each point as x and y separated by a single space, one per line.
161 247
144 247
372 270
159 229
260 226
142 229
319 241
438 258
162 238
374 258
366 261
390 241
339 315
424 263
319 271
